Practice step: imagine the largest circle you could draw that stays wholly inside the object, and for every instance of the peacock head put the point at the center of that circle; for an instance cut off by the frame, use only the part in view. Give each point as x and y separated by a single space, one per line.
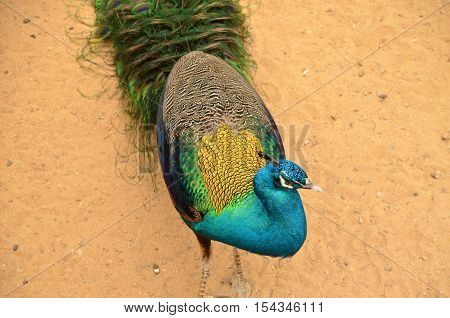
289 175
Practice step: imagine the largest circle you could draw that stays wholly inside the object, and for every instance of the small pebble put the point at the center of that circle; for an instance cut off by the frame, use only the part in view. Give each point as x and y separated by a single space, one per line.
9 163
71 28
415 194
436 174
382 96
380 194
26 20
361 73
15 247
360 220
33 36
305 71
156 269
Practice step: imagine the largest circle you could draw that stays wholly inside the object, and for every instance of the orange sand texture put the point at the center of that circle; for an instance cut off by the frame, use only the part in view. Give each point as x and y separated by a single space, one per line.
73 222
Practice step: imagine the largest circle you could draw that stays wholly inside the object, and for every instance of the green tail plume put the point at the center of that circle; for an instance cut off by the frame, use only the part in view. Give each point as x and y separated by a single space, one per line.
149 36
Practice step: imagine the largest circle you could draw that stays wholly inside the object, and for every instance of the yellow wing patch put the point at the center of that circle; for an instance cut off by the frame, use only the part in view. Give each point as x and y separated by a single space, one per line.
228 162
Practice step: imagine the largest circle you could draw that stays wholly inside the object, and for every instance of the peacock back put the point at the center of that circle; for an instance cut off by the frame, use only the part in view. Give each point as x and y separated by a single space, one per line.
211 126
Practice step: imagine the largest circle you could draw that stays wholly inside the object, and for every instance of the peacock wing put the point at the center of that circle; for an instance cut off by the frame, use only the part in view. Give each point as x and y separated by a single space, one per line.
211 126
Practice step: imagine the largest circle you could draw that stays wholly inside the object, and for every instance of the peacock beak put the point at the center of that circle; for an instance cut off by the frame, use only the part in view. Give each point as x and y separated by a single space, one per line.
312 186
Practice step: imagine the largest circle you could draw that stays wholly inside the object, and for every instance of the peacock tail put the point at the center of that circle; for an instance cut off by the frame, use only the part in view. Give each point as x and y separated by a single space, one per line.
150 36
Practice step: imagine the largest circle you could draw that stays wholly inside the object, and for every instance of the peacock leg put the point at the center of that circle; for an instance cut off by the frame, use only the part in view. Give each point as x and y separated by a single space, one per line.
205 273
237 262
239 286
205 244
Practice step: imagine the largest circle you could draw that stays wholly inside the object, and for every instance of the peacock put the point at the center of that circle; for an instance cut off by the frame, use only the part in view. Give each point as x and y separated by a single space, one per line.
183 67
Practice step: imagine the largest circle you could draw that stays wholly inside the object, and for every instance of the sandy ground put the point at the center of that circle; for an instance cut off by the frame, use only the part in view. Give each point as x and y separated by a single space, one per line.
378 143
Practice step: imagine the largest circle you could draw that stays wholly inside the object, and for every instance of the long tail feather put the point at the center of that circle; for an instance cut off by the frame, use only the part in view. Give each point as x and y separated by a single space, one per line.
149 36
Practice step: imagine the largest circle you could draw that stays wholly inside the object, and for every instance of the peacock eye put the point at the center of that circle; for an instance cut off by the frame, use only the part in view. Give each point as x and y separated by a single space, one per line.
286 183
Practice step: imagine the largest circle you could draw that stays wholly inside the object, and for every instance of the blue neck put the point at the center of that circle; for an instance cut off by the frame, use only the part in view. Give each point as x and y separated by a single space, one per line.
284 207
271 221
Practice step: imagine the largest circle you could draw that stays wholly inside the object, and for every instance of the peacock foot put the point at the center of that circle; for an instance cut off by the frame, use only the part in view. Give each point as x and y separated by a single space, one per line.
240 288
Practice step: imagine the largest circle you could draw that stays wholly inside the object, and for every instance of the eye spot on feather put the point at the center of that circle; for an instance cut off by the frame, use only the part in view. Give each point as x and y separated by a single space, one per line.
141 8
102 33
114 4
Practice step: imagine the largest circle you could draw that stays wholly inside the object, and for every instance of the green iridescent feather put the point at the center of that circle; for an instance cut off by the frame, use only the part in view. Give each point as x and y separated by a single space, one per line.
196 190
150 36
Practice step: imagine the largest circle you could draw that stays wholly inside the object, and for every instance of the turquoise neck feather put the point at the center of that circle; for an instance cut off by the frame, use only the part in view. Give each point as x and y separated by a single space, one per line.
269 221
